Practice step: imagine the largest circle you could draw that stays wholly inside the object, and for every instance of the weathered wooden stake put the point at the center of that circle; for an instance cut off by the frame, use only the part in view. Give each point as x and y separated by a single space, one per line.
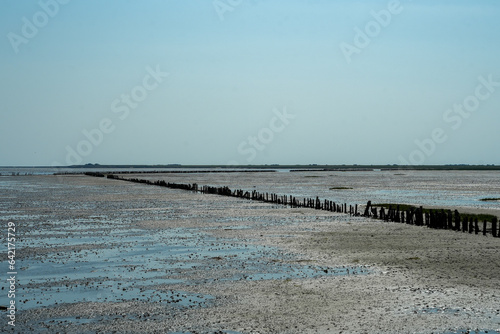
457 221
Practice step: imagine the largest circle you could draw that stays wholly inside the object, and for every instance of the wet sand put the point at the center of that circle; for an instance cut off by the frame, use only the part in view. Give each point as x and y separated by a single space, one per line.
412 279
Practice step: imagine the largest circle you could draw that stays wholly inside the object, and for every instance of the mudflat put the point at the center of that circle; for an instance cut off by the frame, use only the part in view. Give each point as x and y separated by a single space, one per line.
100 255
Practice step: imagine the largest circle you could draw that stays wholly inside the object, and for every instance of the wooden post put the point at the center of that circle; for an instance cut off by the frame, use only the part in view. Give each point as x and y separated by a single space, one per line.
494 227
367 209
484 227
420 215
457 221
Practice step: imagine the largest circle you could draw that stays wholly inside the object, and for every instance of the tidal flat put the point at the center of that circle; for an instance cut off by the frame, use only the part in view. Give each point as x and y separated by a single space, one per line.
101 255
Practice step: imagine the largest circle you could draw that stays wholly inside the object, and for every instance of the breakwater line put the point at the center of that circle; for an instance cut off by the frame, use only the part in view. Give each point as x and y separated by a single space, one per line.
418 216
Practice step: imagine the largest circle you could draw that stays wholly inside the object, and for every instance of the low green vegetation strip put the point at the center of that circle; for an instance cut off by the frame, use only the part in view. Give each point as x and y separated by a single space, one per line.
406 207
490 199
341 188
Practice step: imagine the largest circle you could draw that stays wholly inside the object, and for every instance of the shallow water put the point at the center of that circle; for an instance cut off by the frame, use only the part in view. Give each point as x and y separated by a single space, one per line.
132 261
101 259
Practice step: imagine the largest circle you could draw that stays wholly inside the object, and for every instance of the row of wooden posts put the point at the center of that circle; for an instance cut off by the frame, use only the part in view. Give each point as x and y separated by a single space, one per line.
437 219
254 195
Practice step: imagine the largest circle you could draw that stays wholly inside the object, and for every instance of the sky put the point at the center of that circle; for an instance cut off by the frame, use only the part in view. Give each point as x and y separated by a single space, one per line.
249 82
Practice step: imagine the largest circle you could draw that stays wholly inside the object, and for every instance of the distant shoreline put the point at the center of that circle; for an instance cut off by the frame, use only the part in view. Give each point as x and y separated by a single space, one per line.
293 168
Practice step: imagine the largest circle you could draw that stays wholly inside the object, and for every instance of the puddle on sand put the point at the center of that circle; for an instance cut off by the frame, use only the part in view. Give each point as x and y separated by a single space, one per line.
139 265
107 292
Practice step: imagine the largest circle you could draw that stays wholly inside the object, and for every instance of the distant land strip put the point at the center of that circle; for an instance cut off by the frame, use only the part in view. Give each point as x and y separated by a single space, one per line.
294 168
179 171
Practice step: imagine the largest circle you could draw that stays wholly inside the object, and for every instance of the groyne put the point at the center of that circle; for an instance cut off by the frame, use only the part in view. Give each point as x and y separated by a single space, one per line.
435 218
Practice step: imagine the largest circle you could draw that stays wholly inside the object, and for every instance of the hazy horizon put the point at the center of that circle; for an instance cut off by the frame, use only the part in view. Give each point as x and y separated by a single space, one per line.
249 82
174 165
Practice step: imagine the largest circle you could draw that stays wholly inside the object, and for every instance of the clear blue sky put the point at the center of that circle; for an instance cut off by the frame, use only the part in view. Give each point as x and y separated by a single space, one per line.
249 81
